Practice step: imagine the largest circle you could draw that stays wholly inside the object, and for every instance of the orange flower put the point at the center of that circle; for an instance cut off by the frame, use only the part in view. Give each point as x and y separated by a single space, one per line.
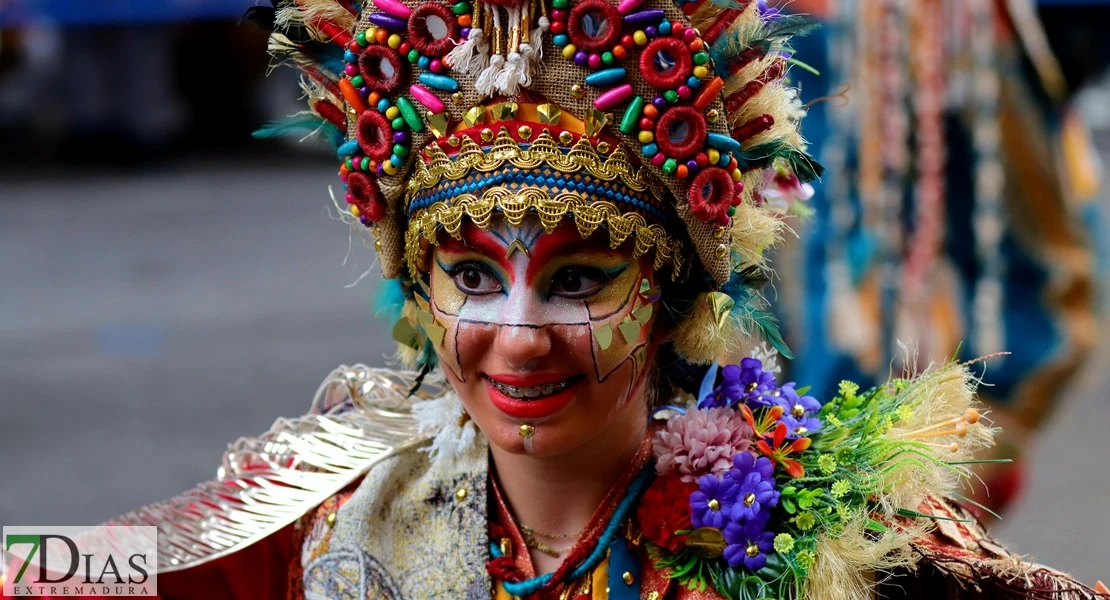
766 422
780 454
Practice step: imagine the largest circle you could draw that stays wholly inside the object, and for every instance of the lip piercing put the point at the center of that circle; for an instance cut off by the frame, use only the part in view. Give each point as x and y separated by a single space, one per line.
526 431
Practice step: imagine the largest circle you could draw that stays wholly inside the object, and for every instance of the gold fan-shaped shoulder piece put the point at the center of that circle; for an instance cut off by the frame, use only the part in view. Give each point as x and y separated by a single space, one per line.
359 417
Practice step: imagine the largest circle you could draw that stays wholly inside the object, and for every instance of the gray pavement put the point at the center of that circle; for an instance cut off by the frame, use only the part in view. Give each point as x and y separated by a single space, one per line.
147 320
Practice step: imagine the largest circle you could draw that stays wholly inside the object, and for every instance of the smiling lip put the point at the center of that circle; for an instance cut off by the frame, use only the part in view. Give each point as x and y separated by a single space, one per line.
532 408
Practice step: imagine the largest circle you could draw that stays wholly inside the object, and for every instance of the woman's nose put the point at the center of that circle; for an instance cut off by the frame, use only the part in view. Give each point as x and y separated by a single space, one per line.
522 345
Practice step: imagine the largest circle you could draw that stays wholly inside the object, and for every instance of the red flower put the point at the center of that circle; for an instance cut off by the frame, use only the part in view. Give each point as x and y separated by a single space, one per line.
665 509
780 454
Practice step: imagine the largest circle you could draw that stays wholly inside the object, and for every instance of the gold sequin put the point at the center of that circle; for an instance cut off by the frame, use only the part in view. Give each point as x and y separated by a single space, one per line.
577 91
524 131
566 137
713 115
454 141
627 577
487 135
330 519
460 494
458 98
603 147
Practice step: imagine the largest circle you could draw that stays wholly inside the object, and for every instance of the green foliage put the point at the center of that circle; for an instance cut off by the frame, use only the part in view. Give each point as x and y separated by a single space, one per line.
687 567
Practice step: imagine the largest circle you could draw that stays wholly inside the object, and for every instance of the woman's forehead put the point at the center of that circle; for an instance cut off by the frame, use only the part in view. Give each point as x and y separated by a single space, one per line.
503 239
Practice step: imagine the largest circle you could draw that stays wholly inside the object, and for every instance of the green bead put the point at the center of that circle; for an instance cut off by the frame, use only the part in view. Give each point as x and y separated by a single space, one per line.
732 211
398 123
410 114
361 38
670 96
350 164
559 3
700 58
607 58
357 81
669 166
461 8
400 150
365 164
413 55
630 122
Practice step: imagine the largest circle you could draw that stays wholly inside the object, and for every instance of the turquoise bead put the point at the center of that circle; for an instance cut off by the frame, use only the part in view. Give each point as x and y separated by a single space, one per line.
725 159
693 83
665 27
650 149
396 160
724 143
424 62
348 148
605 77
560 40
442 83
383 105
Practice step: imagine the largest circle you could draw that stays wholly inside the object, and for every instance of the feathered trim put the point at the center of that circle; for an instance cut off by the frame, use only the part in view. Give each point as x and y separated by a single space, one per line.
453 431
303 125
324 18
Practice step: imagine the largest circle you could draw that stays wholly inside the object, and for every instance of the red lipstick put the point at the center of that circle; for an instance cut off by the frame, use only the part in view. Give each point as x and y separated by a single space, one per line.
531 408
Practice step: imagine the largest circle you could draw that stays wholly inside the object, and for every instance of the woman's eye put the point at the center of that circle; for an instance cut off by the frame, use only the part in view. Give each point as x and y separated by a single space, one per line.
578 282
475 279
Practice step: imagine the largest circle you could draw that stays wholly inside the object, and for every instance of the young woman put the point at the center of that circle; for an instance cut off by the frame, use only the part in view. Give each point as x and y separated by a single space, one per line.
568 251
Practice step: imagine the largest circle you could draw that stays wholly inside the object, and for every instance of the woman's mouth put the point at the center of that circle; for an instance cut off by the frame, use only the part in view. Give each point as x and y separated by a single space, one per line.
532 397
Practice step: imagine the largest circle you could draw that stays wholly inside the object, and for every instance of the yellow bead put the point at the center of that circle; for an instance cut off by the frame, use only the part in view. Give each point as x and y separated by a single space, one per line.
394 41
354 211
714 156
736 174
640 38
388 167
700 71
371 33
647 137
569 50
392 112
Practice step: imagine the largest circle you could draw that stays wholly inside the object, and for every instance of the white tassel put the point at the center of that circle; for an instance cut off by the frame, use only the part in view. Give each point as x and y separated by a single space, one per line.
535 39
470 56
484 85
513 74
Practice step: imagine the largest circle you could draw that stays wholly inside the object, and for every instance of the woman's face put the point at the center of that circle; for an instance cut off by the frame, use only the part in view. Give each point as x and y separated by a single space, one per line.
548 336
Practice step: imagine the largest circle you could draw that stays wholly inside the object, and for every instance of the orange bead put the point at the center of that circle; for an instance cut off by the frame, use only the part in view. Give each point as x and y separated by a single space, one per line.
351 94
682 172
374 98
709 92
343 170
695 45
382 36
619 52
650 111
464 20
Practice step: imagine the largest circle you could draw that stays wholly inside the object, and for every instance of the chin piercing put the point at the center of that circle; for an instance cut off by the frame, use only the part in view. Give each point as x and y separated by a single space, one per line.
526 431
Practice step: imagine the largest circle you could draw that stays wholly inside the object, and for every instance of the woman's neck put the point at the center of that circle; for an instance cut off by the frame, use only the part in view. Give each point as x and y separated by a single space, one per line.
559 494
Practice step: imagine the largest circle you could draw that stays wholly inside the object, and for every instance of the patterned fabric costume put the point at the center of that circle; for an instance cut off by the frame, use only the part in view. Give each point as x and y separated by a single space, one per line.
665 129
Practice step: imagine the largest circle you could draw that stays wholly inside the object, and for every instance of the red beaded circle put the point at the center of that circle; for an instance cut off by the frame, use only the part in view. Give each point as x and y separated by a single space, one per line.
369 65
422 39
605 41
677 74
711 194
375 135
695 137
364 193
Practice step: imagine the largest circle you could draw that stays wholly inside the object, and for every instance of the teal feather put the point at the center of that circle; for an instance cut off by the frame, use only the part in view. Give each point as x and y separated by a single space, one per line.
748 307
300 125
389 300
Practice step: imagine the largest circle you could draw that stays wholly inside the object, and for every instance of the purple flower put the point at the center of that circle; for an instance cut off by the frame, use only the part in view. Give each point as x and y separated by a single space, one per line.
798 412
755 490
747 383
748 544
768 12
710 505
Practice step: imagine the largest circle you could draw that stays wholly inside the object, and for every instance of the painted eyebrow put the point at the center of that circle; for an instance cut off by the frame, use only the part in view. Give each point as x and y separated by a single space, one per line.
480 242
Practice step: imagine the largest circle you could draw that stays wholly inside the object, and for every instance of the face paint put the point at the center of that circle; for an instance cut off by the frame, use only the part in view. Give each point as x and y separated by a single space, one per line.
526 315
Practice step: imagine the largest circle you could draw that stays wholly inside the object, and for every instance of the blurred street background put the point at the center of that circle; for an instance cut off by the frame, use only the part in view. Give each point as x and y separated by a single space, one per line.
168 283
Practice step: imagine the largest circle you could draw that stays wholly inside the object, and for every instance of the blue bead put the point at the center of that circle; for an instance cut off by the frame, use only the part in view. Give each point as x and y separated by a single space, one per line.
693 83
383 105
605 77
560 40
724 160
347 149
665 28
722 142
650 149
442 83
350 57
423 62
396 160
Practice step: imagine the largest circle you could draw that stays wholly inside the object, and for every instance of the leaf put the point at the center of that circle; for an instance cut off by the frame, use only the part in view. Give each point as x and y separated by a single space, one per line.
802 391
788 506
873 525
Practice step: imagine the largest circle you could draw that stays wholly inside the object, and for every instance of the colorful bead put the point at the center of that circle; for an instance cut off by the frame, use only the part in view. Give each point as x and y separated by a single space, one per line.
398 123
627 6
700 58
560 4
640 38
614 97
383 105
394 41
424 62
670 96
594 61
722 142
559 40
392 112
650 150
646 137
712 89
413 56
348 148
427 98
607 57
360 38
665 28
351 95
388 21
569 51
669 165
436 65
460 8
410 115
658 159
606 77
683 92
631 114
644 17
394 8
442 83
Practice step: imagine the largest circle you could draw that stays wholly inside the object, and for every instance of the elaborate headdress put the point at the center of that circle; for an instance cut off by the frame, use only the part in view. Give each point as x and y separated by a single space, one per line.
661 123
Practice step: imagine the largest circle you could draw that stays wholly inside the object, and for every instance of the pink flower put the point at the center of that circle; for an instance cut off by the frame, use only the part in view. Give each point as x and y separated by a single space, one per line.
782 190
701 442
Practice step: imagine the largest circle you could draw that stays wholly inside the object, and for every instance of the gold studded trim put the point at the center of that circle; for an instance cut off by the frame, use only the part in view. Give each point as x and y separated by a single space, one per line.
588 215
543 151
